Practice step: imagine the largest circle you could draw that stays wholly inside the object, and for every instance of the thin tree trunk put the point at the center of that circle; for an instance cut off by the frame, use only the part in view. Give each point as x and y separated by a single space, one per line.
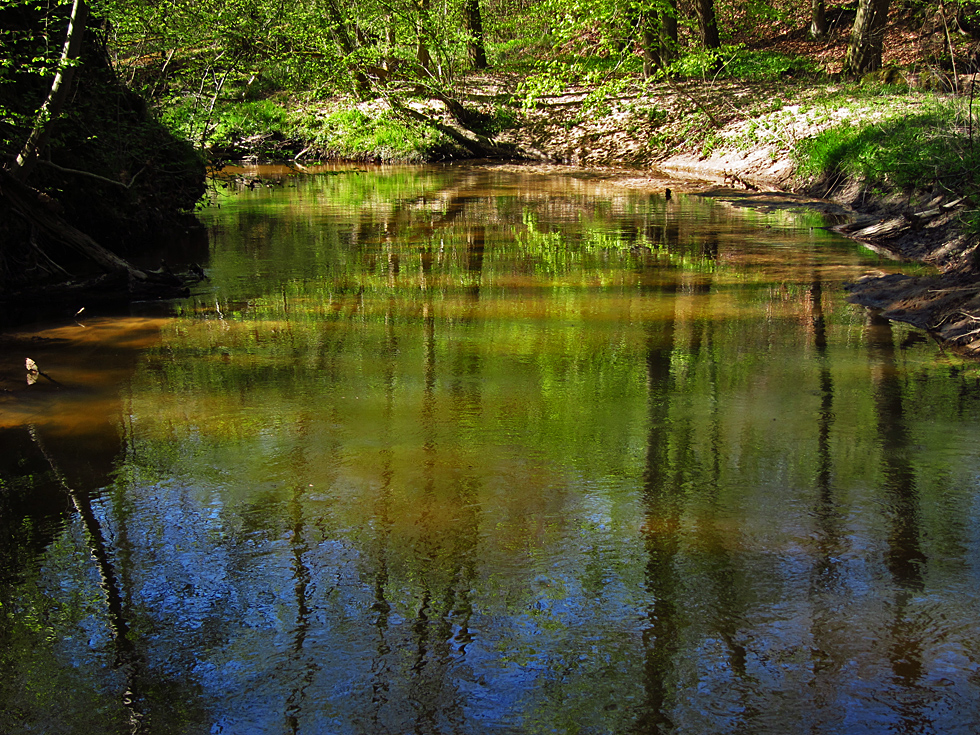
422 55
474 24
867 38
51 109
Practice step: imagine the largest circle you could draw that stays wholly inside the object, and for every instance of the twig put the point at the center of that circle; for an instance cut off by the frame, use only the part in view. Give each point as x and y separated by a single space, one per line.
968 334
953 290
90 175
952 315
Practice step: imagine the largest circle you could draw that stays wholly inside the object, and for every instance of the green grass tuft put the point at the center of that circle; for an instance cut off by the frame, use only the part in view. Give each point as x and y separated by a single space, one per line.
899 152
740 63
355 135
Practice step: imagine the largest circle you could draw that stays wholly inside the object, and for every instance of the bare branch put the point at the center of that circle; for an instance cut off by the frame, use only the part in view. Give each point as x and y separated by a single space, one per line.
90 175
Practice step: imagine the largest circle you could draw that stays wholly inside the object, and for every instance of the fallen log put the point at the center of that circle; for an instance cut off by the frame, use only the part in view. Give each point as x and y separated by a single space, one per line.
120 281
26 203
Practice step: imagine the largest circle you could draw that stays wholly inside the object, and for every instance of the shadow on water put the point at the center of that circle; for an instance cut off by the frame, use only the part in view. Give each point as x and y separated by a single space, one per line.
662 499
827 577
904 556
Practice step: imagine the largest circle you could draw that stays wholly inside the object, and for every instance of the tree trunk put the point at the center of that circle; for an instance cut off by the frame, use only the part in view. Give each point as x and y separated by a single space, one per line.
422 55
51 109
651 47
658 38
867 38
818 19
669 50
474 24
707 22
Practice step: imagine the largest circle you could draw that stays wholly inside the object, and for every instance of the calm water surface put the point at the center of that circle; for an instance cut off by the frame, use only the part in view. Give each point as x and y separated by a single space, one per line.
470 451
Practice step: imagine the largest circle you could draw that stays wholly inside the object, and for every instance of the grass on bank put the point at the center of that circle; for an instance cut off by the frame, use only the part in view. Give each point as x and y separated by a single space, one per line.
282 128
932 148
352 134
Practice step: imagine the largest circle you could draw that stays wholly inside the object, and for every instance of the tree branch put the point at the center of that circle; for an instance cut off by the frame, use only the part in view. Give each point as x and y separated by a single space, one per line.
50 110
90 175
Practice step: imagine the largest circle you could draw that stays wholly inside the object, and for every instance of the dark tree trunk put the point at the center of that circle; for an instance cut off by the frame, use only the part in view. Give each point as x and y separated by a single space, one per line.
867 38
707 22
658 31
670 31
818 19
651 48
474 24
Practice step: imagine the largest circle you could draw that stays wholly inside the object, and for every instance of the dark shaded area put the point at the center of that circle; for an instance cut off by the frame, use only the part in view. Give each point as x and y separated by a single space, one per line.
662 510
32 503
110 170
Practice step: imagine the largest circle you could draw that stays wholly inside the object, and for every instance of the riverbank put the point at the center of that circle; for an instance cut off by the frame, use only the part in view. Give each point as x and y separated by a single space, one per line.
928 224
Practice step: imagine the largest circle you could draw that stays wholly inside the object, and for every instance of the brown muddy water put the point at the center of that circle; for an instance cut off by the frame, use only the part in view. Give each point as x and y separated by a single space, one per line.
457 450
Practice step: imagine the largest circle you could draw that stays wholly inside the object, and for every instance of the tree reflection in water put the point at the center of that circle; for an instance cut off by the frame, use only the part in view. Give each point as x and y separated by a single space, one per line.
464 451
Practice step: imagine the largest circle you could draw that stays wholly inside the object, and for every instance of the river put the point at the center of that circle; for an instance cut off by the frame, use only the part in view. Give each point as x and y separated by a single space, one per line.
466 450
